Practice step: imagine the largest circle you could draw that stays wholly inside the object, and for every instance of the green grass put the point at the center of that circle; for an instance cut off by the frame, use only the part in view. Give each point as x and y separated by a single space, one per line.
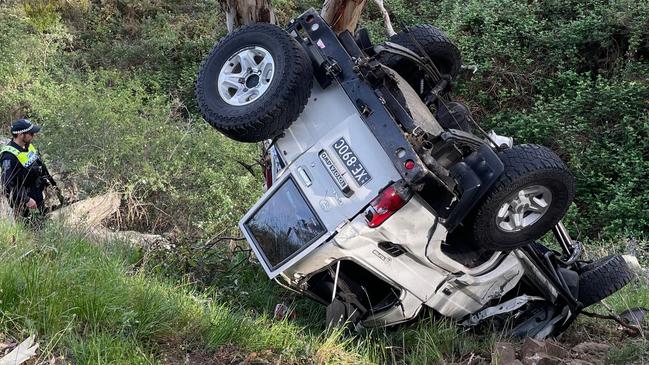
635 352
633 295
86 301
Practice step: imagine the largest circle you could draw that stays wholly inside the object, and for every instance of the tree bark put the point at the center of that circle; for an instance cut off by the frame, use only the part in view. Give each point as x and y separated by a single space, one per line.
342 14
242 12
389 30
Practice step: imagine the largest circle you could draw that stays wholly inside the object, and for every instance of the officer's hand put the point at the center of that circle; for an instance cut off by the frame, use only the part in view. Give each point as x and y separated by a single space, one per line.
31 204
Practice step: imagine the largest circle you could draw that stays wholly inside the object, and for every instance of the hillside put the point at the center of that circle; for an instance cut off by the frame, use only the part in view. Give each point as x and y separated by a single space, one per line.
112 83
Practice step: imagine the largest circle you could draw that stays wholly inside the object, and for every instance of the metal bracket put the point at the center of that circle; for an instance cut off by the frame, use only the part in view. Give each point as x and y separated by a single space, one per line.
332 68
508 306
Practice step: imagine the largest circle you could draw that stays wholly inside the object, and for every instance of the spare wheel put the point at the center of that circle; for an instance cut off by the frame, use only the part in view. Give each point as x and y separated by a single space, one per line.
254 83
441 50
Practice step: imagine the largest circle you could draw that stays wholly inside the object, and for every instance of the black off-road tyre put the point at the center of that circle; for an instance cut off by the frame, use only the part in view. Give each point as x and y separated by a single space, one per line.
277 107
526 165
603 278
444 54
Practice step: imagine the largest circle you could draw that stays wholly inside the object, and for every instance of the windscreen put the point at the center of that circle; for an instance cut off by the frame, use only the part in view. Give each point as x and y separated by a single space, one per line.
284 224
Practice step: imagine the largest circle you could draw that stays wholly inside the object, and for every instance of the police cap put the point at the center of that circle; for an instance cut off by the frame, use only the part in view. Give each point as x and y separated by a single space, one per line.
24 126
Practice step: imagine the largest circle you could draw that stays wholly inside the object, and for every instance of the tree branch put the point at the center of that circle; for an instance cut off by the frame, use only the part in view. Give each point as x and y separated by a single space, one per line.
386 18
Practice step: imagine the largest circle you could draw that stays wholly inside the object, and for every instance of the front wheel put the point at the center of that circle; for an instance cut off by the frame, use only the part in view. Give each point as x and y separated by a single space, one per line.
529 198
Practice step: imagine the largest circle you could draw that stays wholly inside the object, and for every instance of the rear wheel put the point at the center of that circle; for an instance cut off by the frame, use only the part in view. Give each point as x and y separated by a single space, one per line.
603 278
254 83
529 198
444 54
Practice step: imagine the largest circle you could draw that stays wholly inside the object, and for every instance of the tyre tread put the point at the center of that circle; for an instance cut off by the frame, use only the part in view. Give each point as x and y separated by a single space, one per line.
604 278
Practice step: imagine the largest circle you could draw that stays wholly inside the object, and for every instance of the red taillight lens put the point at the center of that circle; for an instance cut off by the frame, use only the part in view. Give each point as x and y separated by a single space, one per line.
268 174
410 164
384 205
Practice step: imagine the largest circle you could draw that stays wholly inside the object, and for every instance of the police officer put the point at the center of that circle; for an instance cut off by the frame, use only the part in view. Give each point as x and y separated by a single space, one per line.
24 175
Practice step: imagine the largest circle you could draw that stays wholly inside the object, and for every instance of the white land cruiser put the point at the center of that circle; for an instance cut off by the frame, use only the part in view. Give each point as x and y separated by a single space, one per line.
375 206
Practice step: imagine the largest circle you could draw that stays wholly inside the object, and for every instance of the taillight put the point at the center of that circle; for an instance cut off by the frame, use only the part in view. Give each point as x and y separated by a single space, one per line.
268 173
387 203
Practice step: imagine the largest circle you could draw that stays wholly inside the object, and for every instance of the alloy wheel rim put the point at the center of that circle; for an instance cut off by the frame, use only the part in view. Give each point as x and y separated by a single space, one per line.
246 76
523 208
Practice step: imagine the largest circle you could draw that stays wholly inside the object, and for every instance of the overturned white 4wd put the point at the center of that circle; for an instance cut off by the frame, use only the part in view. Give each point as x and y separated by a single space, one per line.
381 200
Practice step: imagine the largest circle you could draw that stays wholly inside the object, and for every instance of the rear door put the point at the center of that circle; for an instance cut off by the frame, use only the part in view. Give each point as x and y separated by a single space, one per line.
335 167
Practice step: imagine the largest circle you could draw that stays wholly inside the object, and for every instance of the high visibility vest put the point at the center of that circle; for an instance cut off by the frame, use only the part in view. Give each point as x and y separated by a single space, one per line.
25 158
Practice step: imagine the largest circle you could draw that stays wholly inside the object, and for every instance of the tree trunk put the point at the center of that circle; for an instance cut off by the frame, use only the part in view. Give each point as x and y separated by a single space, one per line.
242 12
342 14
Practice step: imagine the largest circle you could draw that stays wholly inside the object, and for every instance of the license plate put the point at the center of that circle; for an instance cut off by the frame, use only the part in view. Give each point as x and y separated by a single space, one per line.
351 161
335 174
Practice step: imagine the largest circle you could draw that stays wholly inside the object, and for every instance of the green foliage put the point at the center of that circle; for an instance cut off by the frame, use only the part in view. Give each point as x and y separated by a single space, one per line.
164 40
91 302
432 340
112 83
187 169
103 348
635 352
571 75
41 14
